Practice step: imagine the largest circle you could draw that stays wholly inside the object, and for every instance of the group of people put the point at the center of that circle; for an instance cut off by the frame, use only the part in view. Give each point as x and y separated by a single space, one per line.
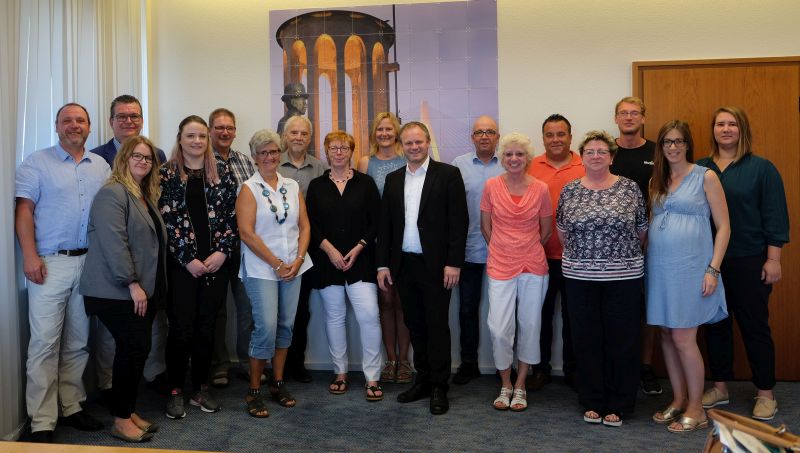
123 234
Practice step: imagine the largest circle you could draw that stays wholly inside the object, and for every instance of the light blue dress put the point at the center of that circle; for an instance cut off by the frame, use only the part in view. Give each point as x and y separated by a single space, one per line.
680 247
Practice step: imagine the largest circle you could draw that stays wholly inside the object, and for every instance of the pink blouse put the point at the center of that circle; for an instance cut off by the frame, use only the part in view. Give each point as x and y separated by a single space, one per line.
515 246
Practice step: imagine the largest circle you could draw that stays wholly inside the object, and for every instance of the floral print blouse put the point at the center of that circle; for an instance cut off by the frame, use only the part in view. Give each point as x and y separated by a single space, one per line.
601 231
220 201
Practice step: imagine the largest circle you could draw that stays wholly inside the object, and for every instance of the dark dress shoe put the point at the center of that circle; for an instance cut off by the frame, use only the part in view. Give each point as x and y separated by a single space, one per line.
82 421
42 437
439 403
415 393
466 372
537 381
300 374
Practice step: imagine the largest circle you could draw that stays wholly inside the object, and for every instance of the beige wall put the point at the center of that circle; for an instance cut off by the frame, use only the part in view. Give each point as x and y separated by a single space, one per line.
572 56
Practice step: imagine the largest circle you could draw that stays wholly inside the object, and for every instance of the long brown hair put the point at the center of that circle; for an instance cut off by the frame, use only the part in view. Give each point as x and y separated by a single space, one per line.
150 187
745 145
176 160
659 183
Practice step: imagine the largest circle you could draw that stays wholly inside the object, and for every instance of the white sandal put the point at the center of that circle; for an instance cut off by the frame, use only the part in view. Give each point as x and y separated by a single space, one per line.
520 399
502 402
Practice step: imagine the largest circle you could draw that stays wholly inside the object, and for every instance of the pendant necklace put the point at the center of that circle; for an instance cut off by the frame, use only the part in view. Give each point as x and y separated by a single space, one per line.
272 207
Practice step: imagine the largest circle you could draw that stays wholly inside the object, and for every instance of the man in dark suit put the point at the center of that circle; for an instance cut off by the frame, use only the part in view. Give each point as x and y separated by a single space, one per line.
421 243
126 121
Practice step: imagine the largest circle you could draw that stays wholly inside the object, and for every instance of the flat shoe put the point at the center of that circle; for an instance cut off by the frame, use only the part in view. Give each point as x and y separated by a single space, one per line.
668 415
144 437
520 401
713 398
688 424
341 386
503 401
593 420
372 393
220 379
765 408
612 423
150 428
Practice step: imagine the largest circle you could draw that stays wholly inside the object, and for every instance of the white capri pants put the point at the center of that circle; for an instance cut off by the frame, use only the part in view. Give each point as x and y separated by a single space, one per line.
519 299
364 298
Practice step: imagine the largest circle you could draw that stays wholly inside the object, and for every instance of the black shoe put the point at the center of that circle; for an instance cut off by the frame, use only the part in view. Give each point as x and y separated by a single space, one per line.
415 393
159 384
82 421
537 380
466 372
300 374
649 383
439 403
42 437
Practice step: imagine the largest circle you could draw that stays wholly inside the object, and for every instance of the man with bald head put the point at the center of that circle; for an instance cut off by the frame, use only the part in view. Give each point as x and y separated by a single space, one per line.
476 167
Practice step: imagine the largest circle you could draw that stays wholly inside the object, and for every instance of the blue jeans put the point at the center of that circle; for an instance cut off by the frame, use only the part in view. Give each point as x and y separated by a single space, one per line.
274 305
469 306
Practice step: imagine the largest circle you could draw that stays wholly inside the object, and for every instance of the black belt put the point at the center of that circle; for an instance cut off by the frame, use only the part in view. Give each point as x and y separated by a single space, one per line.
418 256
74 252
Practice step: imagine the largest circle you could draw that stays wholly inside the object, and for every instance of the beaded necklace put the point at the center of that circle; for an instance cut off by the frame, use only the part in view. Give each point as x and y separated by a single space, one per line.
272 206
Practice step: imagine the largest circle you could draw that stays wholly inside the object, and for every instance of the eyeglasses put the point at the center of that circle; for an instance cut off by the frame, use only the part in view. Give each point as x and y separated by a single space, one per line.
596 152
138 157
228 129
270 153
134 117
339 149
482 132
633 114
678 142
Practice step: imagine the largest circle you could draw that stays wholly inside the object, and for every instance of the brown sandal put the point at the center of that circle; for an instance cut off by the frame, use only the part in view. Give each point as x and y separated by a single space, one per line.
341 386
372 394
404 372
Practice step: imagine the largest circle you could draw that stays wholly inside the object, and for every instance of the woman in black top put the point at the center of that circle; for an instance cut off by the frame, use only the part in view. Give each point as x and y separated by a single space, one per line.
343 209
198 194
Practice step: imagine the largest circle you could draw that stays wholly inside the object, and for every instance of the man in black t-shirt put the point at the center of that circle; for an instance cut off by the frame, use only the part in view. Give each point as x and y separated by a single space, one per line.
634 160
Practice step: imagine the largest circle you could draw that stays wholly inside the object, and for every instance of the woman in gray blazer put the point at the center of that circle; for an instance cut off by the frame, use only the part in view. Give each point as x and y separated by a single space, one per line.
124 277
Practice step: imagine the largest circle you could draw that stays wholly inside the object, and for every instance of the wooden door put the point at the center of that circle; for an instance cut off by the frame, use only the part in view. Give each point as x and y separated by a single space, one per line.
769 91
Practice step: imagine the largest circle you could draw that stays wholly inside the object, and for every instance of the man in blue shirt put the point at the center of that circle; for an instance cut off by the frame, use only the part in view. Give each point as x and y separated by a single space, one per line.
126 120
476 167
54 191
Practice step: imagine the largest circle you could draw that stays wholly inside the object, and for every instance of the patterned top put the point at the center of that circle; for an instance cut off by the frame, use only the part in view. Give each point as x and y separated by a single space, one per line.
241 166
220 201
378 169
600 229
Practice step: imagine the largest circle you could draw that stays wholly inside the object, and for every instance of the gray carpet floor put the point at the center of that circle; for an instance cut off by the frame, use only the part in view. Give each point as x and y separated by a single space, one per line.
325 422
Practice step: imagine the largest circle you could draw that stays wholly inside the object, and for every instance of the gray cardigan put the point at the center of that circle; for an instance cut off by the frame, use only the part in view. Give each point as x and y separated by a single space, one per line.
123 245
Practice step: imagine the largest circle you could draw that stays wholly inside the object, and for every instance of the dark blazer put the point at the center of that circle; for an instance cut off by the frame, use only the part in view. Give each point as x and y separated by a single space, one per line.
442 219
109 152
123 246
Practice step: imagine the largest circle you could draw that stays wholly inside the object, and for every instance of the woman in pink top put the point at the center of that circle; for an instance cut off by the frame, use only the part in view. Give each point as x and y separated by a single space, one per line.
516 219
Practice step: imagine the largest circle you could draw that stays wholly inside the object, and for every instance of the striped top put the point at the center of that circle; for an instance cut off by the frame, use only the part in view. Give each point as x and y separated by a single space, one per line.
601 231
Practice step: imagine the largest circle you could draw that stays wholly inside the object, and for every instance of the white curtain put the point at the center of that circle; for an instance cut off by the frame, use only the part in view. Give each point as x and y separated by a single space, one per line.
52 52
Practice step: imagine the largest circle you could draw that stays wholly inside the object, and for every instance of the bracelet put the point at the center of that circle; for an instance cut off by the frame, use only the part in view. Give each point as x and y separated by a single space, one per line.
774 259
280 264
712 271
301 258
363 243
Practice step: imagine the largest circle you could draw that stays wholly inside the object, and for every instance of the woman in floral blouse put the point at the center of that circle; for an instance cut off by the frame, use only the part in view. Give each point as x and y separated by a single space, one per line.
197 203
602 222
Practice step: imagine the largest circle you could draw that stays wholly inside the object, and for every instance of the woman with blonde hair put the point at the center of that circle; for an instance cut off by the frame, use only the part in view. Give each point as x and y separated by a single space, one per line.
124 279
386 155
198 194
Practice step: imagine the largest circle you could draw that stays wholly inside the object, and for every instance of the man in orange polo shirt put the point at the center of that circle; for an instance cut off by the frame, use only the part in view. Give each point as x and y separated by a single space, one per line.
556 167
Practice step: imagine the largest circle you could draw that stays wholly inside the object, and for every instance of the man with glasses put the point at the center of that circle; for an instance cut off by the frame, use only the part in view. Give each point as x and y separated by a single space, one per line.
55 187
222 124
558 166
126 121
298 164
476 167
634 160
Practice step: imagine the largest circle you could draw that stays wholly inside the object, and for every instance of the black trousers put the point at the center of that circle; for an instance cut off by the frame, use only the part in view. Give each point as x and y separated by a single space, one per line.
747 298
557 286
605 318
296 356
132 335
470 286
192 307
426 307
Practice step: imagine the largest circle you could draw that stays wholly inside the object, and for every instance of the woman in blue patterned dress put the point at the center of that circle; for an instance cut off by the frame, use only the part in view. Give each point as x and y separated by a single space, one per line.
683 261
602 222
385 156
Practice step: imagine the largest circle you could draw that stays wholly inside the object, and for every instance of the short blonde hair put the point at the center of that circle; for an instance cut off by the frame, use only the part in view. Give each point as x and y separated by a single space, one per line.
630 100
517 138
601 135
